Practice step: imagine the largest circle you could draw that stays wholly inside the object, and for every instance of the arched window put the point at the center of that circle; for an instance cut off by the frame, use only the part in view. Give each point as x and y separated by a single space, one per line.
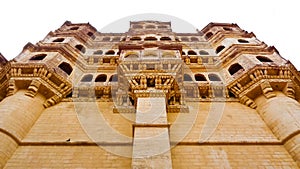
200 77
263 59
208 35
69 95
150 38
113 78
38 57
101 78
203 52
110 52
58 40
227 28
91 34
243 41
165 38
187 77
66 67
98 52
87 78
182 53
191 52
150 27
194 39
214 77
136 38
80 48
220 48
74 28
235 68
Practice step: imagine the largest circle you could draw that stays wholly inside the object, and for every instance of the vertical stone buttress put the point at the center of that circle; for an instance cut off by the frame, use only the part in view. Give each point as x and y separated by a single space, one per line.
19 111
151 143
29 91
282 114
273 95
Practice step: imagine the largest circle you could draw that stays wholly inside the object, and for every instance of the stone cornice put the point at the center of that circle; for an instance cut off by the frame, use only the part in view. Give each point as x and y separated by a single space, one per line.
237 48
88 25
213 24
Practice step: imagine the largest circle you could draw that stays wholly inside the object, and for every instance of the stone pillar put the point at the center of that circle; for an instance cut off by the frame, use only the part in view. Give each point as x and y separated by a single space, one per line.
18 114
151 143
282 115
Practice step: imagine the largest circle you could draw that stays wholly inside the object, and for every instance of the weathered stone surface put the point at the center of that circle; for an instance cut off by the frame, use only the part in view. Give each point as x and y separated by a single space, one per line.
151 144
149 98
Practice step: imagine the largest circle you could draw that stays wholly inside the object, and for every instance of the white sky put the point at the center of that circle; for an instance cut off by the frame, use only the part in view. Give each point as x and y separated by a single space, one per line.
274 22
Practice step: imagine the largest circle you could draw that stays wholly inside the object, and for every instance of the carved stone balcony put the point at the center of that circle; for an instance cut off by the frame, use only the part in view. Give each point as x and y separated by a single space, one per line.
38 78
263 79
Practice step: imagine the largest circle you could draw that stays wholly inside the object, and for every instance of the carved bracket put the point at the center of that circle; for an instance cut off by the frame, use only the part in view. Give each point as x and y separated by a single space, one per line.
33 88
267 89
52 101
11 90
248 102
289 90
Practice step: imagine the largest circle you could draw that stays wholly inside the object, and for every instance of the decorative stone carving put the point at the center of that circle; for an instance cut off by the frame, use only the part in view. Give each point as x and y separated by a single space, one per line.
106 93
11 87
248 102
33 88
289 90
199 60
52 101
37 74
267 90
187 61
140 76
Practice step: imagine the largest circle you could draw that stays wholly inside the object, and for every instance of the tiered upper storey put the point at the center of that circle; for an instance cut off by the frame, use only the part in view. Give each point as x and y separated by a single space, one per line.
217 60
